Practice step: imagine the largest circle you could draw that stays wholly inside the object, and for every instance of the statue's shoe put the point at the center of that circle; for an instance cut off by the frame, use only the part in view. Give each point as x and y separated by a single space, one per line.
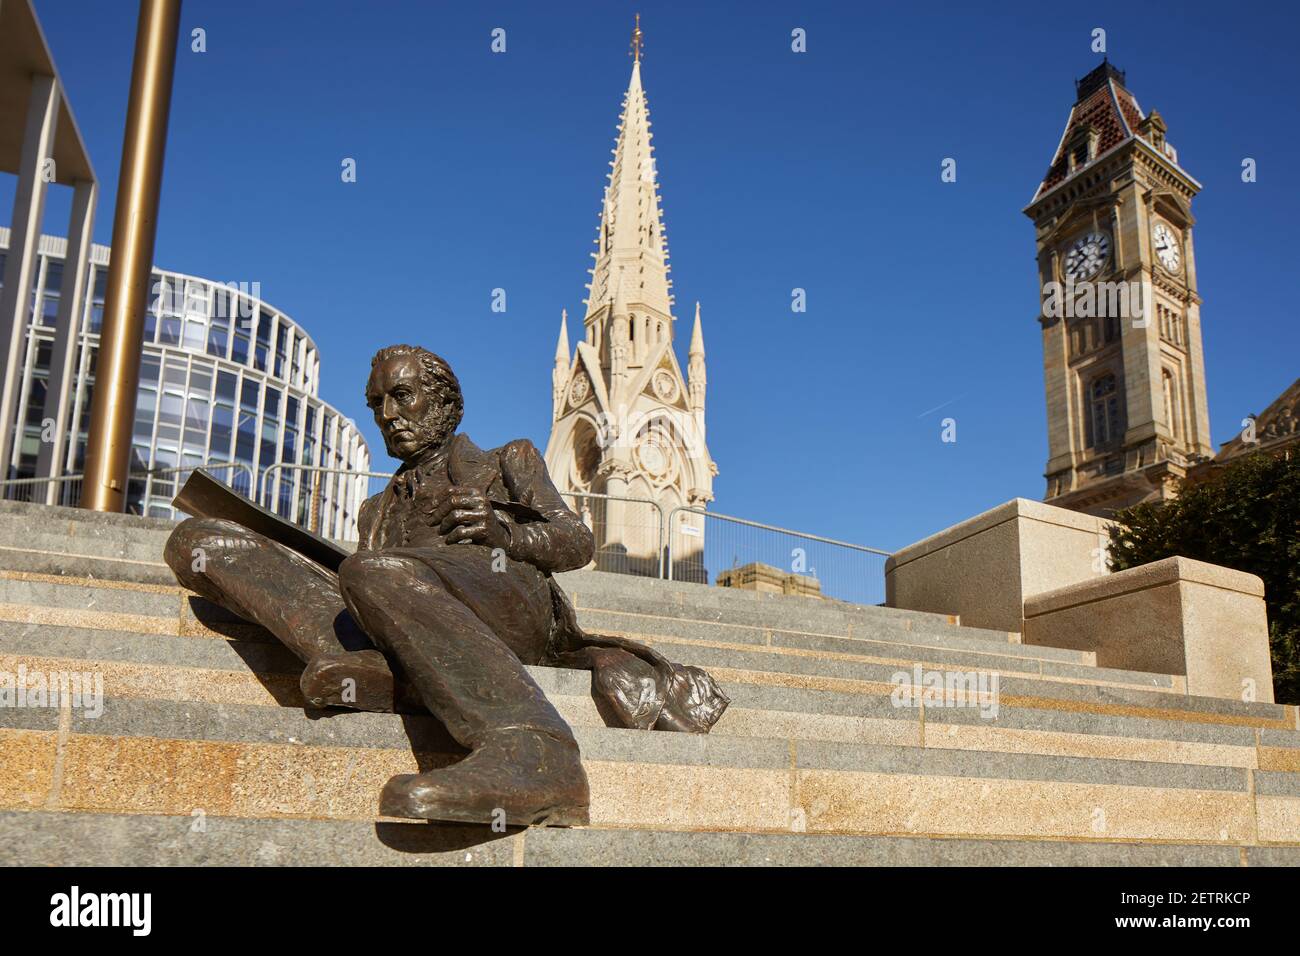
517 777
694 702
361 680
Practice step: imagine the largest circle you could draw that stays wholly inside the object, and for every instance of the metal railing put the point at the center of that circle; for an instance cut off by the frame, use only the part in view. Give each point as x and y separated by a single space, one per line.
66 489
238 468
635 536
708 547
61 490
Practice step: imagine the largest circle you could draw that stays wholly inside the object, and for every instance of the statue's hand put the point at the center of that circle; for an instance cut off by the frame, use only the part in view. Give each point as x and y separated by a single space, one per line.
465 516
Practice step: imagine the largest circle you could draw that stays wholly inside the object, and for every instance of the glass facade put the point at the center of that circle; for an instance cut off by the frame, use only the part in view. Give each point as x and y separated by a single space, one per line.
226 381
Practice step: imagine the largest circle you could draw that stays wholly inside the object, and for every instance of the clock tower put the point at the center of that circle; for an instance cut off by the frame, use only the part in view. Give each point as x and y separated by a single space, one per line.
1120 315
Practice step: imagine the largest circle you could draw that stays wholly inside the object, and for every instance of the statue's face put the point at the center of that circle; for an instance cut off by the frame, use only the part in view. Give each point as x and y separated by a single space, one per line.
409 415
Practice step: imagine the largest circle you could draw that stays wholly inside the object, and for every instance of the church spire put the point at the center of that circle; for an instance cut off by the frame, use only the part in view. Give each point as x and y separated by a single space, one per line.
625 372
631 235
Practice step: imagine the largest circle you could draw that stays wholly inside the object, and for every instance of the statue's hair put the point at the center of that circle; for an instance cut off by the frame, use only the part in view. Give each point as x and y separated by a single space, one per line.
436 374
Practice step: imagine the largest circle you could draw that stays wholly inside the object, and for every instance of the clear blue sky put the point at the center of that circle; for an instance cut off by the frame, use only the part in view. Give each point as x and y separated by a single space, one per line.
778 170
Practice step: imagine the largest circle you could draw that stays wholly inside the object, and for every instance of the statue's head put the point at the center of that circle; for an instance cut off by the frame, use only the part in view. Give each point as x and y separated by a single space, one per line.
415 398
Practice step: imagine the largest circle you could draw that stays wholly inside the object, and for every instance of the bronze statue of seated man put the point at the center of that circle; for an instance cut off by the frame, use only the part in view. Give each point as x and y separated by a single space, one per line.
447 598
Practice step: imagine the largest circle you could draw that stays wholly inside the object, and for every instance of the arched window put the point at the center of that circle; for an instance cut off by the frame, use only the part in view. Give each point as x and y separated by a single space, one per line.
1104 418
586 456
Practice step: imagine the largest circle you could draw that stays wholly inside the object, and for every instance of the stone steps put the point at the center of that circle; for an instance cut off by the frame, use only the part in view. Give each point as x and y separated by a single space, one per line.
254 761
167 609
255 672
204 755
80 838
599 612
82 536
602 617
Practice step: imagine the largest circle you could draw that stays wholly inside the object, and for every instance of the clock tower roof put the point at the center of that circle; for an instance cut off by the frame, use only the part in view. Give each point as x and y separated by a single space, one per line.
1105 114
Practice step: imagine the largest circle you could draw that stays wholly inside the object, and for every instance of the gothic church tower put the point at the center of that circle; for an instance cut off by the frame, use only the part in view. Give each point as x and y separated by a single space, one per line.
626 422
1121 317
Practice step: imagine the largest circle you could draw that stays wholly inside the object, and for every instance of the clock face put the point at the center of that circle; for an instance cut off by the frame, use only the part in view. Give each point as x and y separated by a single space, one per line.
1166 244
1087 255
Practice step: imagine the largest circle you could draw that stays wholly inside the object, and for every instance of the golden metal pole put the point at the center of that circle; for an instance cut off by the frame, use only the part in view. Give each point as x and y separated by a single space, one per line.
315 500
135 222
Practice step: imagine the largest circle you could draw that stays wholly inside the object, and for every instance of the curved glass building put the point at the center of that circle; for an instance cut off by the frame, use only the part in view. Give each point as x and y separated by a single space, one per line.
227 381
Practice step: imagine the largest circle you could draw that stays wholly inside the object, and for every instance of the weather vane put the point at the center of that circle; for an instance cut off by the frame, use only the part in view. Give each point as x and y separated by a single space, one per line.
636 39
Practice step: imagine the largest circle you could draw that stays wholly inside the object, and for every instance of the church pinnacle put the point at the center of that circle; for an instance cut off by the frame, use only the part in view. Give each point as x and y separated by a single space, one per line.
695 367
560 374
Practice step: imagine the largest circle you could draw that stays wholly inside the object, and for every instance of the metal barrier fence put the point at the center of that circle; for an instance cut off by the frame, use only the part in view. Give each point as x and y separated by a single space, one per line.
303 504
634 547
66 489
629 532
704 546
634 536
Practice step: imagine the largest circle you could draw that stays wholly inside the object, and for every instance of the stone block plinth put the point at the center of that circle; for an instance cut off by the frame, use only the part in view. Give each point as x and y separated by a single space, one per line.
1175 616
984 569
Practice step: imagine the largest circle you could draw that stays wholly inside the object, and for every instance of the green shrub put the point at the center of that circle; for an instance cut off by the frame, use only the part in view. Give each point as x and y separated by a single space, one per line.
1247 517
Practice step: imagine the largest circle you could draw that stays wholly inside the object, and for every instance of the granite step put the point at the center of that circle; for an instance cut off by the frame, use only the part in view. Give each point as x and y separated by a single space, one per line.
601 610
58 541
18 519
600 589
243 672
862 635
159 609
111 559
799 615
33 537
56 838
152 756
162 610
51 561
105 535
866 633
116 597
